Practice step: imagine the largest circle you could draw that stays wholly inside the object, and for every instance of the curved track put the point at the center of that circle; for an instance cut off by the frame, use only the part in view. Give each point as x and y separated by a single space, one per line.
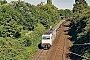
58 49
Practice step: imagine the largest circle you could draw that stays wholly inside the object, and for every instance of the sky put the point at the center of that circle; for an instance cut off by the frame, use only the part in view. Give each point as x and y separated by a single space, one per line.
60 4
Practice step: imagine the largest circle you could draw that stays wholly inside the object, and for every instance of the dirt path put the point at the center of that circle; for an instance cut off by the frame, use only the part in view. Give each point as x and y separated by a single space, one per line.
59 49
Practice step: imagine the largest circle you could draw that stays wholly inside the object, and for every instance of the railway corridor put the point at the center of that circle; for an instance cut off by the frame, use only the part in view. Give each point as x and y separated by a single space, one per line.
59 49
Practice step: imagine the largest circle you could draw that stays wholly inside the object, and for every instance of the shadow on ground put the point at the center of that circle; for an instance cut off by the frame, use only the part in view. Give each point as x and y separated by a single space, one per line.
73 48
39 46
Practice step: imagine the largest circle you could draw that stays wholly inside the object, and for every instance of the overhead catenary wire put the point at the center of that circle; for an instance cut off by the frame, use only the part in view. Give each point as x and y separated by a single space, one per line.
82 44
78 54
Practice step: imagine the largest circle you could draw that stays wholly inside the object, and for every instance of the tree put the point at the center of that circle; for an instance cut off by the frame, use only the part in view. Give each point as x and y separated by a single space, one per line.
22 26
49 1
80 6
80 11
3 2
80 28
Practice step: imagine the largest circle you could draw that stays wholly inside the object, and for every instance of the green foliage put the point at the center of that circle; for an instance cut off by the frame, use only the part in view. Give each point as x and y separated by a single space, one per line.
80 28
65 13
49 1
9 20
21 27
3 2
50 15
39 29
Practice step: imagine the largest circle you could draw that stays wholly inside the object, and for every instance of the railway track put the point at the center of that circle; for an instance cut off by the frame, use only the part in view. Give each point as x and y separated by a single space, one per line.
57 51
41 55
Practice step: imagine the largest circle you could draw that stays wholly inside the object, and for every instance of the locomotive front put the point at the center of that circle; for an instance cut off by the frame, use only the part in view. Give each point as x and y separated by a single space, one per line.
46 41
48 38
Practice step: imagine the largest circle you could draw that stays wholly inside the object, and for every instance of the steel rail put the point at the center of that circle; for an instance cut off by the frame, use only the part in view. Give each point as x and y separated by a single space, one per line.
39 55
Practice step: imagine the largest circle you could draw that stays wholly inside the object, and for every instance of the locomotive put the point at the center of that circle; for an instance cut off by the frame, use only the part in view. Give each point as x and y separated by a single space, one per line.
48 38
50 35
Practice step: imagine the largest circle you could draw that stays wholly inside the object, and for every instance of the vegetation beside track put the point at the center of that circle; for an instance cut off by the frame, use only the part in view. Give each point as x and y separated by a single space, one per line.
21 27
80 30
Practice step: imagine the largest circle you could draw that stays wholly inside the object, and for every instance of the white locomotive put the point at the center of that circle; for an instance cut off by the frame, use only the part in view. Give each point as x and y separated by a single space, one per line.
49 36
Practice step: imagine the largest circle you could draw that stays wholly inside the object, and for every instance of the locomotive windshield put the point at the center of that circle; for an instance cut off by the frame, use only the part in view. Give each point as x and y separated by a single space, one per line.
46 37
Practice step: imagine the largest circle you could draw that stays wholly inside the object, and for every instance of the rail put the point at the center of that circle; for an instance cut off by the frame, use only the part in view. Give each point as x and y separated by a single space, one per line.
39 55
42 55
82 44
